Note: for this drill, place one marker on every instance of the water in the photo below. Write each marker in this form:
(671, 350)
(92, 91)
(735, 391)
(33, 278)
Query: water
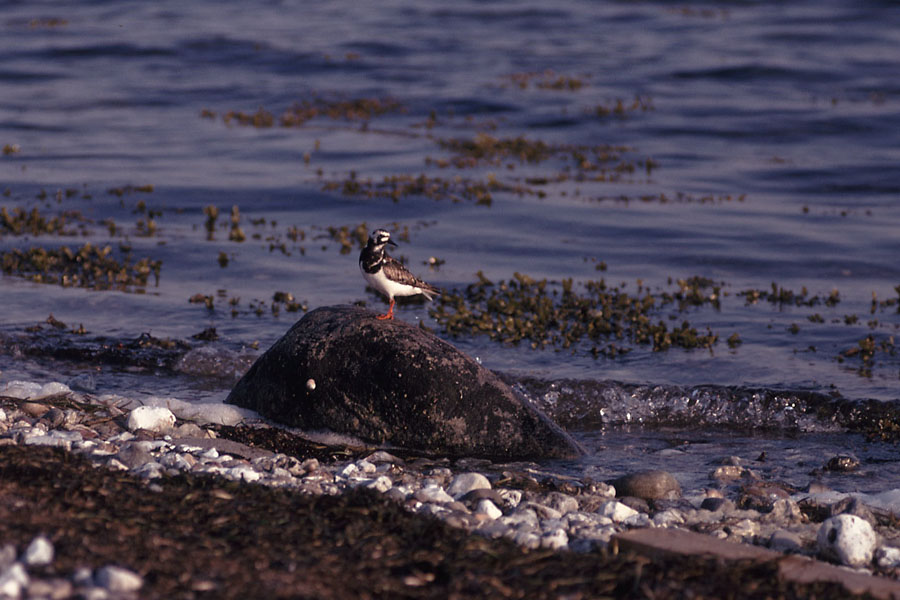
(771, 131)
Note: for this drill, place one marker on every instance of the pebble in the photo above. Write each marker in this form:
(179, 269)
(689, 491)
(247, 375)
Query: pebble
(39, 552)
(888, 557)
(649, 485)
(782, 540)
(489, 509)
(151, 418)
(464, 483)
(848, 539)
(118, 580)
(12, 580)
(433, 493)
(616, 511)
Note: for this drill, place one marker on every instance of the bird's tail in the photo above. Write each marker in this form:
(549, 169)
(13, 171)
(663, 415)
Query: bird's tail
(429, 291)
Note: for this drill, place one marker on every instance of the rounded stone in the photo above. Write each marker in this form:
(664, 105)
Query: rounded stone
(464, 483)
(388, 382)
(39, 552)
(649, 485)
(847, 539)
(151, 418)
(119, 580)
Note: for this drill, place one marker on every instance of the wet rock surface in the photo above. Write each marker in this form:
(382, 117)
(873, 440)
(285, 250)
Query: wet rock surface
(387, 382)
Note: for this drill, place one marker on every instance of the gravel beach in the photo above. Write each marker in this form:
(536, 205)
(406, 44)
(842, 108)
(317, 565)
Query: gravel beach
(136, 502)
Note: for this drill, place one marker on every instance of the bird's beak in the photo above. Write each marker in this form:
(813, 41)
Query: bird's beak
(391, 242)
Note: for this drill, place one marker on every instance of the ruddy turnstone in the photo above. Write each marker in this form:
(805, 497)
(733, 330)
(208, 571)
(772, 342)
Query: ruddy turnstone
(387, 275)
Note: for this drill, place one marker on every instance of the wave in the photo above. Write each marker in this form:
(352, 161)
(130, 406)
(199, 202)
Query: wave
(587, 405)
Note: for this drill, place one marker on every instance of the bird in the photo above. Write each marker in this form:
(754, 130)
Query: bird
(387, 275)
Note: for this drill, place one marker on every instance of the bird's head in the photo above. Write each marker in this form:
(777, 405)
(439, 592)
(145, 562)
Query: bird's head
(379, 239)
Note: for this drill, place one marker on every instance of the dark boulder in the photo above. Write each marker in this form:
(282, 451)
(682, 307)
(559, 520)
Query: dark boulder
(388, 382)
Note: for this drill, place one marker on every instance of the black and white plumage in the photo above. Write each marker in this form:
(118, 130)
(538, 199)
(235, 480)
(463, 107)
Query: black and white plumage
(387, 275)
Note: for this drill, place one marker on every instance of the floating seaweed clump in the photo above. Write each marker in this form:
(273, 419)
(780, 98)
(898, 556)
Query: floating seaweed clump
(600, 162)
(456, 189)
(359, 109)
(783, 296)
(20, 221)
(552, 314)
(88, 267)
(547, 80)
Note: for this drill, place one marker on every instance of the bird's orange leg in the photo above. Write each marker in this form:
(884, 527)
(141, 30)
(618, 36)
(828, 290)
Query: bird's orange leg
(389, 315)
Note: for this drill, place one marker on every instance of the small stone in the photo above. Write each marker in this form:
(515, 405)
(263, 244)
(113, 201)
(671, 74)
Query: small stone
(527, 539)
(616, 511)
(365, 466)
(151, 418)
(543, 512)
(464, 483)
(563, 503)
(555, 539)
(649, 485)
(511, 498)
(888, 557)
(380, 484)
(782, 540)
(134, 455)
(727, 473)
(381, 457)
(118, 580)
(310, 384)
(522, 518)
(348, 471)
(489, 509)
(714, 504)
(848, 539)
(12, 580)
(843, 463)
(668, 518)
(50, 589)
(34, 409)
(433, 493)
(55, 417)
(39, 552)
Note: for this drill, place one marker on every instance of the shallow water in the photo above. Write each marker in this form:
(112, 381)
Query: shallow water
(772, 130)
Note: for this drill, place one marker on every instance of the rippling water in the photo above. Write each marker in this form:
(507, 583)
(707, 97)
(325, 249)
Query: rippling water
(756, 144)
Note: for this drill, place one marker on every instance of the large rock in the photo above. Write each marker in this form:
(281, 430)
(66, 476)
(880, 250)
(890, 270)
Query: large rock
(387, 382)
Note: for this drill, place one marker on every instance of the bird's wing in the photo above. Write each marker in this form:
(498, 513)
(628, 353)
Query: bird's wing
(395, 270)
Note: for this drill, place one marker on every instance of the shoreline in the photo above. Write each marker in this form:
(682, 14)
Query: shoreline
(555, 519)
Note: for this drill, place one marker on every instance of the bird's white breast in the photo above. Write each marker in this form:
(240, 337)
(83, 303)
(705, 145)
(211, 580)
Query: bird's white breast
(389, 288)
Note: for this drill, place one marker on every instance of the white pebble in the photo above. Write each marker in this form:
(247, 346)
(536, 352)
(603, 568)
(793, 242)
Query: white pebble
(464, 483)
(365, 466)
(888, 557)
(512, 498)
(489, 509)
(12, 580)
(848, 539)
(555, 539)
(310, 384)
(616, 511)
(380, 484)
(117, 579)
(668, 518)
(350, 470)
(433, 493)
(243, 473)
(151, 418)
(39, 552)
